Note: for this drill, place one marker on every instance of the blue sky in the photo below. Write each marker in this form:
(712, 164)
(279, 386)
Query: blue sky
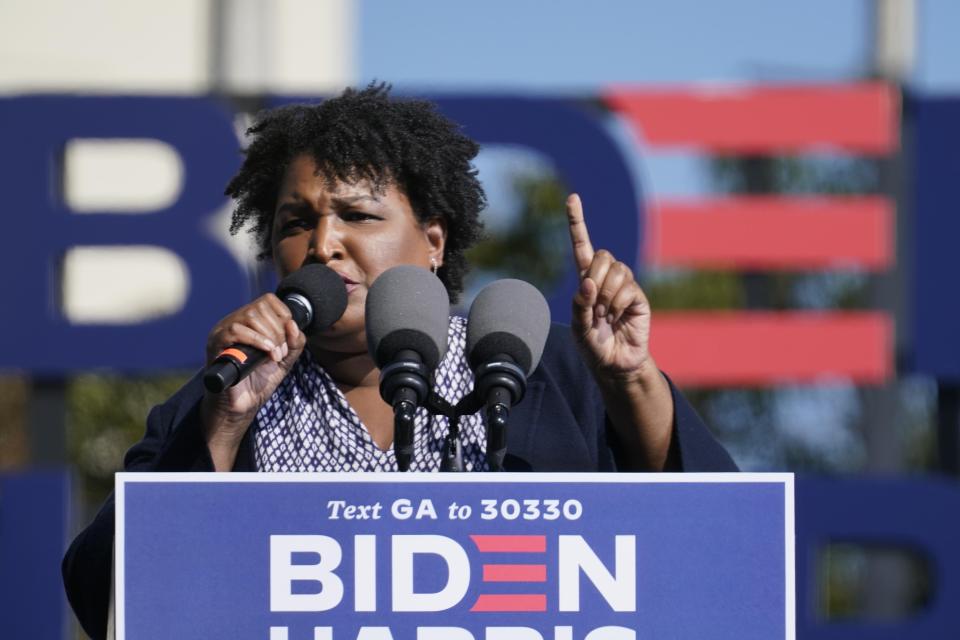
(938, 50)
(576, 45)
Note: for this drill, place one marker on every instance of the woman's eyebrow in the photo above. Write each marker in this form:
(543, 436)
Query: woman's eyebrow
(349, 200)
(292, 207)
(298, 205)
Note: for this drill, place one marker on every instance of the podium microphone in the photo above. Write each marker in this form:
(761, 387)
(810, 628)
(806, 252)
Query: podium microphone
(315, 295)
(407, 315)
(506, 331)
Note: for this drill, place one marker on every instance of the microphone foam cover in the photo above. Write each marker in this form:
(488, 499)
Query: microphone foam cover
(323, 288)
(508, 317)
(407, 308)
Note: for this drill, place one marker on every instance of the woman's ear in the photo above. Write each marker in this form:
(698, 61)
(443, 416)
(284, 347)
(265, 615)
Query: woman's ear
(435, 231)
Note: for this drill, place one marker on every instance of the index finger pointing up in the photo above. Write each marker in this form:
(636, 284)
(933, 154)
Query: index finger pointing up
(579, 236)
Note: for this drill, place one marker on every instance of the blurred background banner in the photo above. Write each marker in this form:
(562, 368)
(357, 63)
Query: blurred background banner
(34, 520)
(782, 176)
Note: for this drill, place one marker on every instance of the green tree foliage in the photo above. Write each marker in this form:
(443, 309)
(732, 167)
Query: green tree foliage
(106, 415)
(671, 290)
(535, 247)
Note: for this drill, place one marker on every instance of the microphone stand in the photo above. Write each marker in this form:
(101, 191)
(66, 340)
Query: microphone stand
(403, 416)
(452, 459)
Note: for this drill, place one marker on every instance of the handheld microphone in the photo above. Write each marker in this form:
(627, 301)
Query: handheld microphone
(316, 297)
(407, 314)
(506, 331)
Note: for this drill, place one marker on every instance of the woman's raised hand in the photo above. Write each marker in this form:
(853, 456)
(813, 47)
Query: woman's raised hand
(611, 324)
(611, 315)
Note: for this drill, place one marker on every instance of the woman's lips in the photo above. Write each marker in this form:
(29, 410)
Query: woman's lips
(350, 284)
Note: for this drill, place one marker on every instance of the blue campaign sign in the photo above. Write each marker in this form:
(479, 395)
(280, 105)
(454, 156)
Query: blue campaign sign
(935, 260)
(34, 506)
(455, 557)
(41, 228)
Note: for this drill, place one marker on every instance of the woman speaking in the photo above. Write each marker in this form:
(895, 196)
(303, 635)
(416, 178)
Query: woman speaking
(362, 183)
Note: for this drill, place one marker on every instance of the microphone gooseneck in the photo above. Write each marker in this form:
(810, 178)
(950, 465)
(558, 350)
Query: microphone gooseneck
(405, 383)
(316, 297)
(501, 384)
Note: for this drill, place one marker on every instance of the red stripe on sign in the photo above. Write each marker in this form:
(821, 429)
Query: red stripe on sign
(510, 602)
(768, 232)
(769, 348)
(514, 573)
(858, 118)
(515, 544)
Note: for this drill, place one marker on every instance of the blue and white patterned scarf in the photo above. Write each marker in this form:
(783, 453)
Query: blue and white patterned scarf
(307, 424)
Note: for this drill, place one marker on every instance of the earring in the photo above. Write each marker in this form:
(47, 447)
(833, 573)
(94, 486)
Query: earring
(433, 266)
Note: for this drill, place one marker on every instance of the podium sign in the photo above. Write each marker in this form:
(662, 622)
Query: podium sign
(454, 556)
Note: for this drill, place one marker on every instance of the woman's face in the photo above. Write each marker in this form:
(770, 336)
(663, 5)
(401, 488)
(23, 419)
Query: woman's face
(353, 228)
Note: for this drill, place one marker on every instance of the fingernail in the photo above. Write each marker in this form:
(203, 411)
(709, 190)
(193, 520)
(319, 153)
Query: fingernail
(610, 318)
(270, 346)
(584, 289)
(601, 310)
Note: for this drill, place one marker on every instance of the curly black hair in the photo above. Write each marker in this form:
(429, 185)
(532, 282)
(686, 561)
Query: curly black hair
(367, 134)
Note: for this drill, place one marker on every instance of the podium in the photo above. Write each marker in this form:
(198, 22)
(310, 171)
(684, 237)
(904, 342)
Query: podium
(496, 556)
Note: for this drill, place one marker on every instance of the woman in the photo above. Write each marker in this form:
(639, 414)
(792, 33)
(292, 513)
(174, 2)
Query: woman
(362, 183)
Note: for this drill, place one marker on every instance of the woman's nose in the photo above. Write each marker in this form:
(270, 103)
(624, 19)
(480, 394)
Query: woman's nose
(325, 242)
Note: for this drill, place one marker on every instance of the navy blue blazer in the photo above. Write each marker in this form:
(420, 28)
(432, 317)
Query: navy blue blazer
(560, 425)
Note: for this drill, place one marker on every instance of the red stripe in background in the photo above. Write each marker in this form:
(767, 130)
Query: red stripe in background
(770, 232)
(769, 348)
(510, 602)
(516, 544)
(856, 118)
(514, 573)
